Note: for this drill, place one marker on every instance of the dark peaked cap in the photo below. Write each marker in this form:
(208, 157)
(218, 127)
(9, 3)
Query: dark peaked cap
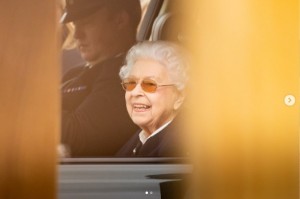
(77, 9)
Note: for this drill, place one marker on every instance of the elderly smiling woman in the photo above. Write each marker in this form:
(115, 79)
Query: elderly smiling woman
(154, 79)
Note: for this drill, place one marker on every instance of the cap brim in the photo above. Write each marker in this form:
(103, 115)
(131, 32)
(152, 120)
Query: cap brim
(75, 14)
(64, 18)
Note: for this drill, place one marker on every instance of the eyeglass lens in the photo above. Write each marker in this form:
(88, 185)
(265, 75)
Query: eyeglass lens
(147, 85)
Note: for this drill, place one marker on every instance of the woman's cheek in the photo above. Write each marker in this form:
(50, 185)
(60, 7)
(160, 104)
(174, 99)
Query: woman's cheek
(128, 105)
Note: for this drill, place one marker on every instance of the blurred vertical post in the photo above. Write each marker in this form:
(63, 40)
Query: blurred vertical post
(246, 137)
(29, 99)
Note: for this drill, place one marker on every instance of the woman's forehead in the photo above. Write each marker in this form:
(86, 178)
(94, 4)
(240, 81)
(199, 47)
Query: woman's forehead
(148, 65)
(149, 77)
(149, 68)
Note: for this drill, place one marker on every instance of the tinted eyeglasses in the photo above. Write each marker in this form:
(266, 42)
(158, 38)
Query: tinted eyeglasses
(148, 85)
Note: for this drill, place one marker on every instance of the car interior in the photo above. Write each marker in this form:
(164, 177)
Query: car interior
(244, 110)
(113, 176)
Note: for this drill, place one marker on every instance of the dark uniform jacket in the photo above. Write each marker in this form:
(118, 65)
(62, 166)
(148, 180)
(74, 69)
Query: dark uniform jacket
(169, 142)
(95, 121)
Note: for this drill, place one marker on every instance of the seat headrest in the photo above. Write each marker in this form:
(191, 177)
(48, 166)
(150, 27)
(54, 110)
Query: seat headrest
(168, 27)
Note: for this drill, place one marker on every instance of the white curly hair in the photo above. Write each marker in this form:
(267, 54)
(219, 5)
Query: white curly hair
(170, 55)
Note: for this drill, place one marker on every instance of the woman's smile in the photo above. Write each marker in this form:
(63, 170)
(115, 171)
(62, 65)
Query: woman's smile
(137, 107)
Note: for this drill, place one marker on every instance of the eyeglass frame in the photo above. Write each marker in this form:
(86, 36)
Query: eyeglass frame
(141, 84)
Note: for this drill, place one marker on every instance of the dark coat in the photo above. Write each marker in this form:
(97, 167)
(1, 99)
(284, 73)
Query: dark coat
(95, 121)
(170, 142)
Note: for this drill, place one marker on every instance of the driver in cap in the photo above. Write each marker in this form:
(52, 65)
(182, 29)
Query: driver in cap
(95, 122)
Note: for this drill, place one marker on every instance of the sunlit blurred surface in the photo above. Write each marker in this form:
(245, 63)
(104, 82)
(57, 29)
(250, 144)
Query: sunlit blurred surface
(29, 99)
(246, 137)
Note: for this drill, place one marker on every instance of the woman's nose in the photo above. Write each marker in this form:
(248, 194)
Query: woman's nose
(137, 91)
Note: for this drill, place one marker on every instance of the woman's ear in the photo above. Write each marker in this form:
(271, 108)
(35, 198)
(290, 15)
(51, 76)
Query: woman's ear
(179, 101)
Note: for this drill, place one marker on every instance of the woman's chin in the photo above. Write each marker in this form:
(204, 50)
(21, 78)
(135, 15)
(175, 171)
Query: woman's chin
(141, 122)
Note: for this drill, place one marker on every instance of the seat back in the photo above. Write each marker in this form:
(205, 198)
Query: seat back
(152, 12)
(168, 27)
